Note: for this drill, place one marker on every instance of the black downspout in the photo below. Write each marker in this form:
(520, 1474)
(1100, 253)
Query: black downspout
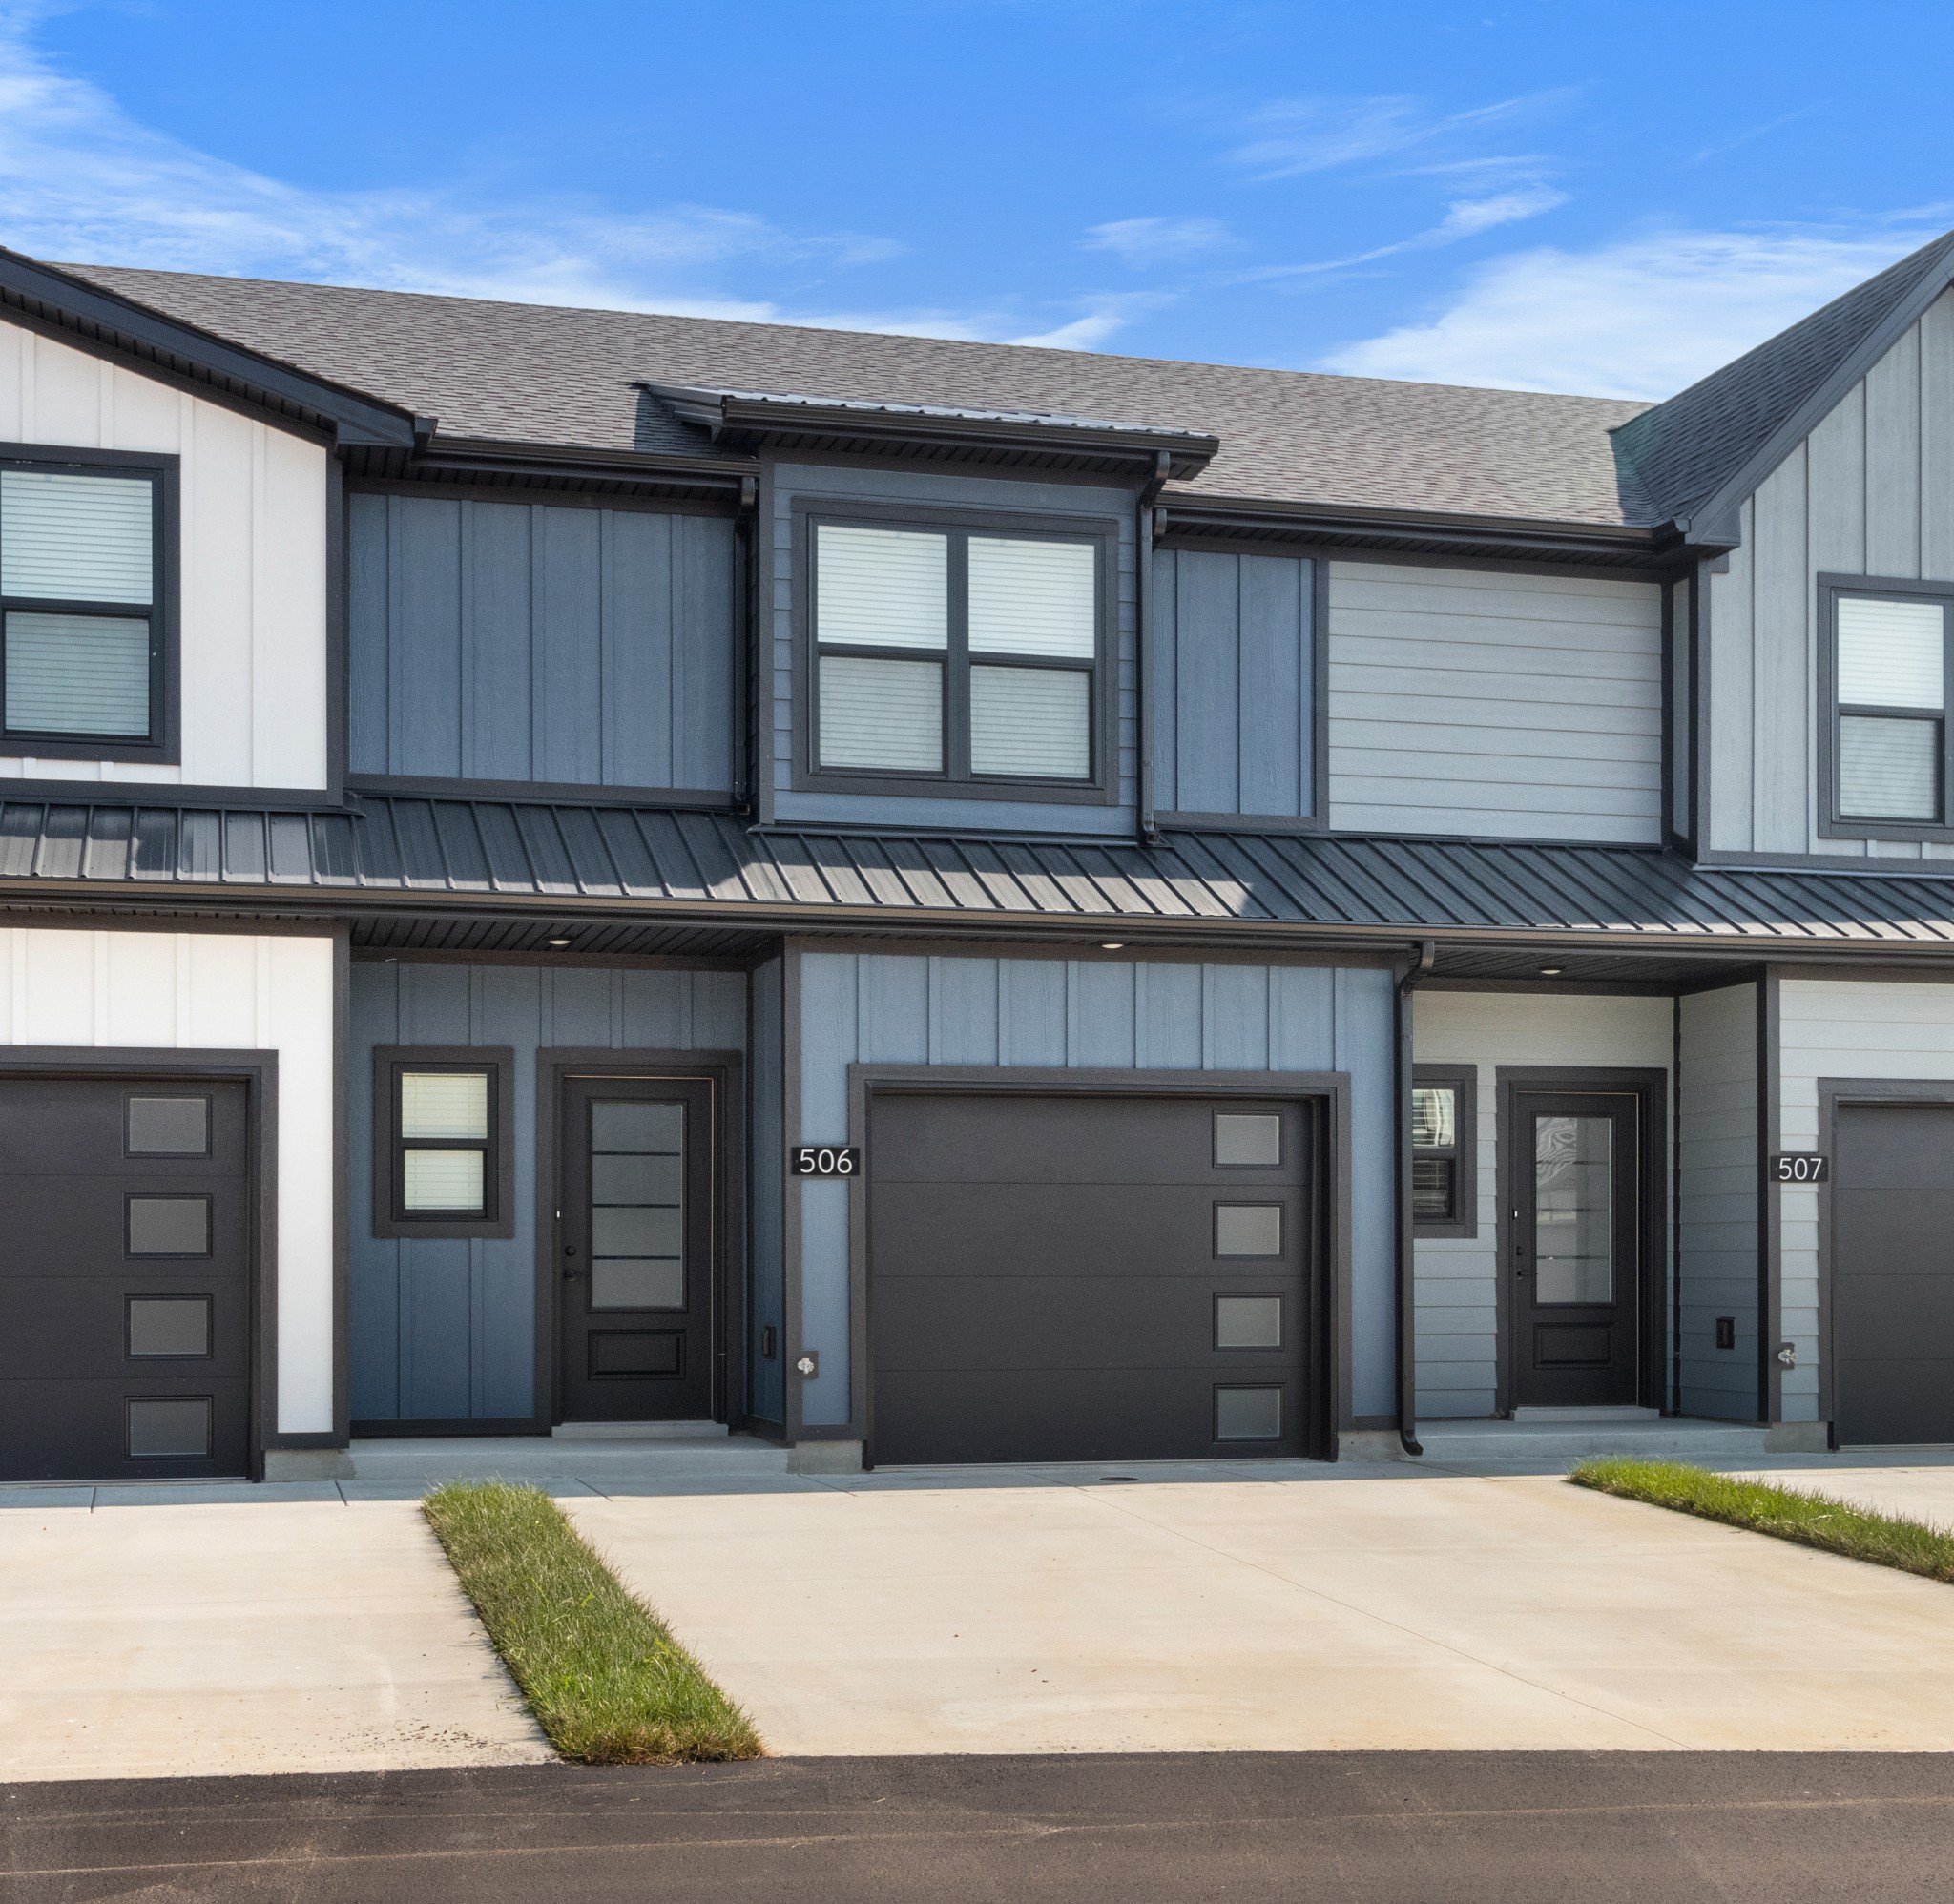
(1144, 827)
(746, 749)
(1407, 1321)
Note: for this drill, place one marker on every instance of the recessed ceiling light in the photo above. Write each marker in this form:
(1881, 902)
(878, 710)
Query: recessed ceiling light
(1549, 971)
(559, 942)
(1113, 945)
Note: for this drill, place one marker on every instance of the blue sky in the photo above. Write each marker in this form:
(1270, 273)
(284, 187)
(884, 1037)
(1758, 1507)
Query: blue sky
(1556, 196)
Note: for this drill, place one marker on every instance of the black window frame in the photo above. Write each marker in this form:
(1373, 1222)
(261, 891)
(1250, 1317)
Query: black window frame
(1462, 1082)
(391, 1217)
(956, 780)
(163, 744)
(1832, 823)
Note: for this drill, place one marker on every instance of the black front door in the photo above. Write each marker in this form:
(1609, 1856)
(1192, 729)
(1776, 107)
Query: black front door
(636, 1248)
(125, 1253)
(1575, 1247)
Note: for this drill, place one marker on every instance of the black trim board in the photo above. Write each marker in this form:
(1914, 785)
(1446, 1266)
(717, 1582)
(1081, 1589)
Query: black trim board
(1652, 1089)
(726, 1071)
(1834, 1095)
(385, 1219)
(1327, 1093)
(258, 1071)
(1105, 533)
(87, 316)
(164, 745)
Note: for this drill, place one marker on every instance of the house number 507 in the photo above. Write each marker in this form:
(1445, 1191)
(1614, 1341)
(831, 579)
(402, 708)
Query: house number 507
(824, 1160)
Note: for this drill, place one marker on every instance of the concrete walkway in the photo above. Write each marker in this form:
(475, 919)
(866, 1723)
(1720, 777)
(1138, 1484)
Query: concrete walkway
(239, 1630)
(1307, 1607)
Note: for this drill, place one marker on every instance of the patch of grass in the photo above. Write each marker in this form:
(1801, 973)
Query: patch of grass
(1790, 1514)
(603, 1675)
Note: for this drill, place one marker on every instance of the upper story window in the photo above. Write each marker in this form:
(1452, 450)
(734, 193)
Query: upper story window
(1889, 676)
(957, 659)
(82, 639)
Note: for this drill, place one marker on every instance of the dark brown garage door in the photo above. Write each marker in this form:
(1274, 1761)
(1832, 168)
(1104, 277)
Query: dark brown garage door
(123, 1284)
(1893, 1273)
(1061, 1278)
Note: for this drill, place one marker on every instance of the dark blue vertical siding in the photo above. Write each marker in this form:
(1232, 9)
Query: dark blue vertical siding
(516, 641)
(1235, 675)
(445, 1330)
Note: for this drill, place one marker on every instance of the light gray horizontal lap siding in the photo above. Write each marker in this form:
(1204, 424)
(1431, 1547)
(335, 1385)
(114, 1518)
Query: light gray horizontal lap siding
(838, 485)
(1717, 1111)
(1096, 1014)
(1870, 492)
(1234, 672)
(515, 641)
(445, 1330)
(1497, 704)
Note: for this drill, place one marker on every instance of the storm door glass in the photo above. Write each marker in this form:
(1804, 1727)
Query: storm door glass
(638, 1205)
(1573, 1209)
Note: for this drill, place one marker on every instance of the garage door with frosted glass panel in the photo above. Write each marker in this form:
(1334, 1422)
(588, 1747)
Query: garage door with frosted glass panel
(1062, 1278)
(124, 1298)
(1893, 1273)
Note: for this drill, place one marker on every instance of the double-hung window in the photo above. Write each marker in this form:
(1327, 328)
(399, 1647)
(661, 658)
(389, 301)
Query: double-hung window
(1889, 673)
(444, 1150)
(961, 657)
(82, 635)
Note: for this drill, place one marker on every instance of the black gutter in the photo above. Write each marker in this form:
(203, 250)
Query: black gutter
(1146, 828)
(1405, 1307)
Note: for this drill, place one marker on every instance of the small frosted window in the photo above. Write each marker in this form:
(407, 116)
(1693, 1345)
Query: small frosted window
(1248, 1230)
(1248, 1413)
(1252, 1139)
(1248, 1322)
(170, 1428)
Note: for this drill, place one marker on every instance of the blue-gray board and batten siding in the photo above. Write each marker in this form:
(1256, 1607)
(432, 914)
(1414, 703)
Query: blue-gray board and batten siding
(541, 642)
(1235, 676)
(445, 1330)
(1090, 1015)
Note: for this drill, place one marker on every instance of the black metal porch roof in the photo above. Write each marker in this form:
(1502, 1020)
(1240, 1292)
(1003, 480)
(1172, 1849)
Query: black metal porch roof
(486, 855)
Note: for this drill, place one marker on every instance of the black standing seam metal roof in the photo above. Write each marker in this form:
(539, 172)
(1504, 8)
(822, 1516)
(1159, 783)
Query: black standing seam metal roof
(397, 853)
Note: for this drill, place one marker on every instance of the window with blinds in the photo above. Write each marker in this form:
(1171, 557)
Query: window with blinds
(1442, 1136)
(78, 649)
(1890, 689)
(955, 655)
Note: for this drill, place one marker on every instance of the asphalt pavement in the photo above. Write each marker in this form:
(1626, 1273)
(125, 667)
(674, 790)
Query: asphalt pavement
(1393, 1828)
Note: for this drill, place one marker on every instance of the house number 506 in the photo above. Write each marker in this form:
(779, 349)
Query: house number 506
(824, 1160)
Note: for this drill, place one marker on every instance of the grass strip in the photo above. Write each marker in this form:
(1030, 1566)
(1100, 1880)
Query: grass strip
(602, 1673)
(1786, 1513)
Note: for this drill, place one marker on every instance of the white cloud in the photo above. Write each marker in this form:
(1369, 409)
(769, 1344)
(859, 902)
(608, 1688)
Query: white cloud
(1641, 318)
(81, 181)
(1303, 135)
(1467, 218)
(1145, 242)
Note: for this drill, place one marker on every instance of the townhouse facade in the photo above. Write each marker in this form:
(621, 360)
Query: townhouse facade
(942, 903)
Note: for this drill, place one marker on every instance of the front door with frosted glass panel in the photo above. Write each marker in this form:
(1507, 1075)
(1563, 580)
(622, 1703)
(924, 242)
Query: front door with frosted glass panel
(636, 1250)
(1574, 1247)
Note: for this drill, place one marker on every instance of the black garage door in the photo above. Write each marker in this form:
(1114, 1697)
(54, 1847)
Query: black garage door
(1893, 1273)
(1061, 1278)
(123, 1253)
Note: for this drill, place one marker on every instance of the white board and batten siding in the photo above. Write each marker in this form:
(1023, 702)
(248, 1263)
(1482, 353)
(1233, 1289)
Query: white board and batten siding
(252, 563)
(1489, 704)
(1870, 492)
(1118, 1015)
(1839, 1028)
(215, 991)
(1721, 1155)
(1457, 1330)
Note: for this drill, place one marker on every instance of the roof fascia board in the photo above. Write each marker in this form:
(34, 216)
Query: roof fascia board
(754, 419)
(350, 902)
(1714, 523)
(135, 329)
(1354, 526)
(486, 454)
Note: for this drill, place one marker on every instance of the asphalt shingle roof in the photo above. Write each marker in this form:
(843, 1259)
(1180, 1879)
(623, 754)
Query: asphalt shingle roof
(548, 374)
(1680, 453)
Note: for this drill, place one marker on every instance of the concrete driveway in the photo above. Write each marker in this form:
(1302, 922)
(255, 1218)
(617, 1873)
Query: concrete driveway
(1305, 1609)
(239, 1630)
